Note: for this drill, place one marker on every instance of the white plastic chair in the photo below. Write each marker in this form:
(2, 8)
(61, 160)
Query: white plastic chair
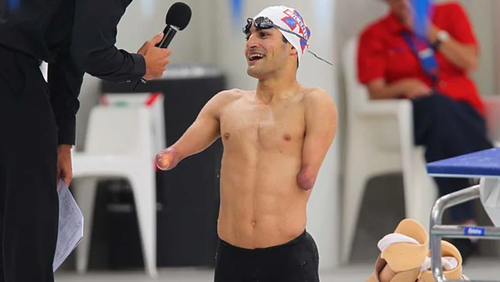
(379, 141)
(119, 144)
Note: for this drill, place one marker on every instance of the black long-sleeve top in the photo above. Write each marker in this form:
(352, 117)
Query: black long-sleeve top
(73, 37)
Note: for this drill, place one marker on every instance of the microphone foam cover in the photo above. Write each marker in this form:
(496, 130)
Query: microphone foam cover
(178, 15)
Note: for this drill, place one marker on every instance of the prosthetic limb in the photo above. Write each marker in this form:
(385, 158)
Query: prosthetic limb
(451, 262)
(402, 254)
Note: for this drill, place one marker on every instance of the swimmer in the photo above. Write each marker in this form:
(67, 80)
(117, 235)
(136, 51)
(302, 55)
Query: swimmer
(275, 139)
(405, 257)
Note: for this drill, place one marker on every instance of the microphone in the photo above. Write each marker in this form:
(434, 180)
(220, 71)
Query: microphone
(177, 19)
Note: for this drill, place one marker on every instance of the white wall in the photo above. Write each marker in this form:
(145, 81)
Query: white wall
(482, 15)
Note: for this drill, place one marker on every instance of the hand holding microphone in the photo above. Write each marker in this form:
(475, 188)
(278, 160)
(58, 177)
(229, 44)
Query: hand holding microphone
(155, 51)
(156, 58)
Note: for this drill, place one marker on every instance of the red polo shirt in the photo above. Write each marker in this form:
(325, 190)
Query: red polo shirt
(384, 53)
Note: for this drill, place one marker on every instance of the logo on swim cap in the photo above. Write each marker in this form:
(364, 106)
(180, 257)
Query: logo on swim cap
(293, 20)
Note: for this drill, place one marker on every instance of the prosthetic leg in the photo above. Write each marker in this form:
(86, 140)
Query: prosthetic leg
(451, 261)
(402, 254)
(405, 257)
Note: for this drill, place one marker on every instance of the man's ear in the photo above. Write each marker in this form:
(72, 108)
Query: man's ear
(293, 51)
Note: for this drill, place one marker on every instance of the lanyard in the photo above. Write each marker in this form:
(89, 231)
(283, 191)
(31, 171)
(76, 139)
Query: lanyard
(426, 57)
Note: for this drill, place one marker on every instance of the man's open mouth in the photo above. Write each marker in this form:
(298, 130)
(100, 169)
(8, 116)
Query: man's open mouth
(255, 57)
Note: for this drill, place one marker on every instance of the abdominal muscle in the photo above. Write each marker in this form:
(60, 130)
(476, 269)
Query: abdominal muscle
(261, 203)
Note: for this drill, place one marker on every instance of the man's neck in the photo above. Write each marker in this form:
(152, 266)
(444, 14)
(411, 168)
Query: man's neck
(279, 88)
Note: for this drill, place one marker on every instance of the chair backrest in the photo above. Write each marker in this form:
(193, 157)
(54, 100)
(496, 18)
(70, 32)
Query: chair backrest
(358, 100)
(120, 130)
(356, 93)
(153, 101)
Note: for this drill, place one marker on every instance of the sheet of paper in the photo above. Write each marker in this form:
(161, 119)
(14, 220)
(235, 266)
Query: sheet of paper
(70, 225)
(489, 190)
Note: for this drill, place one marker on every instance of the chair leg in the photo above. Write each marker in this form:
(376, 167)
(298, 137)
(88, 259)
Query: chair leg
(427, 188)
(85, 197)
(413, 166)
(416, 189)
(354, 186)
(143, 185)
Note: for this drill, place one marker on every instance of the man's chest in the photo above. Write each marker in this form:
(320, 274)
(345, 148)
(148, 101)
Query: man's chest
(263, 126)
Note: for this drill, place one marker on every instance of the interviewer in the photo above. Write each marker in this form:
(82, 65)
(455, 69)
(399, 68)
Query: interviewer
(37, 118)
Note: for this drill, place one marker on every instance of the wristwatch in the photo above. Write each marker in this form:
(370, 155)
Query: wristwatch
(442, 36)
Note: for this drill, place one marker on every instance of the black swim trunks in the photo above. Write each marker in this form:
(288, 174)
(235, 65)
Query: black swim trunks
(295, 261)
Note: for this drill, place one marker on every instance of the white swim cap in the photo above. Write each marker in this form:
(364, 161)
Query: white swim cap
(290, 20)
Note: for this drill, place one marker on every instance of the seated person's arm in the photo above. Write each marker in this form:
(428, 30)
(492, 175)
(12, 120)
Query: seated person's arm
(461, 48)
(199, 136)
(409, 88)
(321, 127)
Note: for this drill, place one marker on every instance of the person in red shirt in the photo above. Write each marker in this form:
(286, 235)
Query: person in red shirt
(430, 68)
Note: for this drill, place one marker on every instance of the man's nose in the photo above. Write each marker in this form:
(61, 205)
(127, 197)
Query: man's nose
(251, 42)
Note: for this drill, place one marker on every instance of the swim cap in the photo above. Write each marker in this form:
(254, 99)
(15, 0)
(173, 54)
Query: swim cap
(289, 19)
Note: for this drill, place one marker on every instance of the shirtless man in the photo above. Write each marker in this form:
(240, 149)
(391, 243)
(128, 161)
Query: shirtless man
(275, 140)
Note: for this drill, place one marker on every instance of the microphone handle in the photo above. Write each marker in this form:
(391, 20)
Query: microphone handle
(168, 35)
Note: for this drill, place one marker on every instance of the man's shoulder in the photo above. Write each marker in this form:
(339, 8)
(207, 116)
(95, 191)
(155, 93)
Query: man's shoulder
(234, 92)
(315, 97)
(230, 95)
(318, 102)
(315, 93)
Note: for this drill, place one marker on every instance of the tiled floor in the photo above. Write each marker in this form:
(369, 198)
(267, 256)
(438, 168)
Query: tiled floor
(483, 269)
